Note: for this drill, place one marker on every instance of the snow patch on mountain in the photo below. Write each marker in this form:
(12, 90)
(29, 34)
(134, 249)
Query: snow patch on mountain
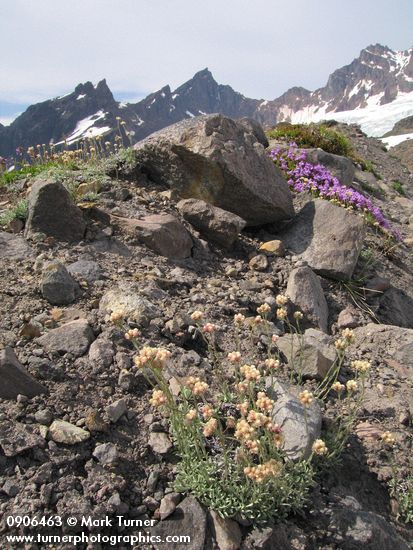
(375, 120)
(85, 128)
(392, 141)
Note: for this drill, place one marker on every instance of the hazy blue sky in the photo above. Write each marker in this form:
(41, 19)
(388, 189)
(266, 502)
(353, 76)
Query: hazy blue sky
(259, 47)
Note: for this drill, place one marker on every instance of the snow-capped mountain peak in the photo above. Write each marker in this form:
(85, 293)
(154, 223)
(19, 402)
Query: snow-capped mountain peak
(375, 90)
(379, 77)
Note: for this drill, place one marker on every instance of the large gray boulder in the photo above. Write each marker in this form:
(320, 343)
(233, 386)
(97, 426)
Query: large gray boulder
(53, 212)
(14, 378)
(328, 237)
(217, 225)
(220, 161)
(306, 294)
(162, 233)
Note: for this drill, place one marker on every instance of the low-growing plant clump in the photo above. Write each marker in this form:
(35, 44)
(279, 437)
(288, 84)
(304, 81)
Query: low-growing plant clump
(398, 187)
(37, 159)
(322, 136)
(92, 159)
(402, 491)
(19, 212)
(316, 179)
(231, 450)
(314, 135)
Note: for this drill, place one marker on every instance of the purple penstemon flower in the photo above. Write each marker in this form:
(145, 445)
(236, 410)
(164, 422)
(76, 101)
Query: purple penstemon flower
(317, 179)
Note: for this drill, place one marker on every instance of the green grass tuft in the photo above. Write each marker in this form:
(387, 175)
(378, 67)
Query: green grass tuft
(314, 135)
(19, 211)
(398, 187)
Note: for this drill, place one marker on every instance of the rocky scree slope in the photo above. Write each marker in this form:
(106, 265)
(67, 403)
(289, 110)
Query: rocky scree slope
(400, 141)
(76, 429)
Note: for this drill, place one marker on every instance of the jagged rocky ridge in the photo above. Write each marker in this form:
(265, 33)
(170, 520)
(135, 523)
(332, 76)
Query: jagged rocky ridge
(76, 431)
(377, 78)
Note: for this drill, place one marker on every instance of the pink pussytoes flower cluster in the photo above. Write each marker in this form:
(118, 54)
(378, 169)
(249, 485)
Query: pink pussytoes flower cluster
(153, 357)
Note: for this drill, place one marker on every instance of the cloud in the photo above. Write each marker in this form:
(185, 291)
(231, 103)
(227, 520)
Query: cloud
(260, 48)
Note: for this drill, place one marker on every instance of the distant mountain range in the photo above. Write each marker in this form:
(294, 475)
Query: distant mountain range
(375, 90)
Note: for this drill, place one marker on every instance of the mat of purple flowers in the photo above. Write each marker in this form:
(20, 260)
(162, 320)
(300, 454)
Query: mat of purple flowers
(302, 176)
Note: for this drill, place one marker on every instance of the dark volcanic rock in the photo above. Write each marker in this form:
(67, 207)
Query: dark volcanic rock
(396, 308)
(357, 528)
(14, 378)
(305, 292)
(14, 248)
(214, 223)
(16, 438)
(327, 237)
(57, 285)
(163, 233)
(190, 519)
(200, 158)
(88, 270)
(52, 211)
(74, 337)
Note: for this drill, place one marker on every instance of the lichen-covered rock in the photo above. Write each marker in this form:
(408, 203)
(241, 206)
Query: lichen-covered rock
(69, 434)
(127, 299)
